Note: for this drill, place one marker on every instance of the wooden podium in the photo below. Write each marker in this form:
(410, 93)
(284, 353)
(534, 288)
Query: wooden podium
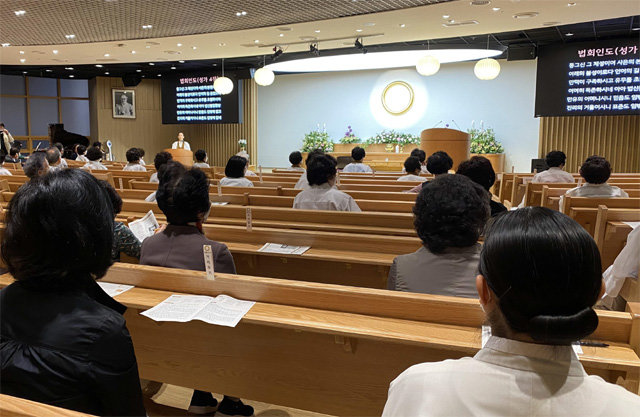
(452, 141)
(183, 156)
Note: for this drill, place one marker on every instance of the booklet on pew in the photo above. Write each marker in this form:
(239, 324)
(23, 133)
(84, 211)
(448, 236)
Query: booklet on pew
(283, 249)
(221, 310)
(144, 227)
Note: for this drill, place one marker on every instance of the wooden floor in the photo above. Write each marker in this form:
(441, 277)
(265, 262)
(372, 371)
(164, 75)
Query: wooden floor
(171, 400)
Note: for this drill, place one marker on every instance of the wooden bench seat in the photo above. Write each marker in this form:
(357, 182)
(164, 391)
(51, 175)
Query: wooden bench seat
(19, 407)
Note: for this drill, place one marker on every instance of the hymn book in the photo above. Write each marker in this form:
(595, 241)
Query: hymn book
(144, 227)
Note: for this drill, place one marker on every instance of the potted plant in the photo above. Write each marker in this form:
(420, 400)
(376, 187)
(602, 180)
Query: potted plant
(348, 141)
(317, 139)
(243, 144)
(386, 141)
(484, 143)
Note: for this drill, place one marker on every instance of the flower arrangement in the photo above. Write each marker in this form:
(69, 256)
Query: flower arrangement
(242, 143)
(484, 141)
(394, 138)
(317, 139)
(349, 137)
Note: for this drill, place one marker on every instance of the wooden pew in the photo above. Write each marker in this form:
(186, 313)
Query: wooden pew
(122, 178)
(104, 176)
(610, 233)
(319, 347)
(584, 210)
(533, 191)
(19, 407)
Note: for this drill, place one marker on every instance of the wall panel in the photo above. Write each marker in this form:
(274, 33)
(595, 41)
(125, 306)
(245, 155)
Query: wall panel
(617, 138)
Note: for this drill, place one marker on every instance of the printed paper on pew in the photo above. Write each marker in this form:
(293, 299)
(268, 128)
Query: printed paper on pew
(283, 249)
(219, 203)
(114, 289)
(144, 227)
(633, 225)
(221, 310)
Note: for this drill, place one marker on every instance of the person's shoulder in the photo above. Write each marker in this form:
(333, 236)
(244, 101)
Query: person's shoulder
(424, 373)
(620, 401)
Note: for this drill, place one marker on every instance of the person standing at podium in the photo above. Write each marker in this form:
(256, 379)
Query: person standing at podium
(181, 143)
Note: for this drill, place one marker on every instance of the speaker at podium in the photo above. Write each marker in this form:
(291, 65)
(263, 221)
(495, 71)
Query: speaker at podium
(454, 142)
(184, 156)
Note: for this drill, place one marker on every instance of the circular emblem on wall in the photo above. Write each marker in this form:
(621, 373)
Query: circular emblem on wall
(397, 98)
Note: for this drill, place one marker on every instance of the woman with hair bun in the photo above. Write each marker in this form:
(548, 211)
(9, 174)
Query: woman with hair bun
(540, 276)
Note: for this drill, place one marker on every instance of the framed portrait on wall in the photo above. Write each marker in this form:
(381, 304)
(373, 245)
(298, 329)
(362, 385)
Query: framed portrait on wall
(124, 103)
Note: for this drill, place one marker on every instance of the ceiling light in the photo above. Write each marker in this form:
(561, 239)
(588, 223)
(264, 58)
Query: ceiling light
(264, 77)
(428, 65)
(182, 62)
(55, 51)
(24, 72)
(379, 60)
(568, 34)
(147, 26)
(138, 70)
(281, 35)
(69, 68)
(571, 4)
(222, 44)
(107, 55)
(20, 12)
(4, 45)
(151, 63)
(358, 30)
(445, 16)
(496, 9)
(71, 76)
(638, 28)
(525, 15)
(98, 65)
(70, 36)
(159, 75)
(194, 47)
(132, 52)
(23, 60)
(402, 25)
(242, 13)
(106, 73)
(487, 69)
(173, 67)
(179, 44)
(223, 85)
(256, 41)
(316, 31)
(21, 52)
(49, 70)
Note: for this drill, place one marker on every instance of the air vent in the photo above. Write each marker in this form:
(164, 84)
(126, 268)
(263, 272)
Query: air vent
(284, 29)
(172, 52)
(551, 23)
(525, 15)
(107, 60)
(152, 43)
(479, 2)
(463, 23)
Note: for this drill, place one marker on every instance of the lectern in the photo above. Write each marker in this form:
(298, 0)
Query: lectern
(183, 156)
(452, 141)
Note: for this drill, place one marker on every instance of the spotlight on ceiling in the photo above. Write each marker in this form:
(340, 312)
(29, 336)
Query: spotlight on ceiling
(313, 49)
(277, 51)
(360, 46)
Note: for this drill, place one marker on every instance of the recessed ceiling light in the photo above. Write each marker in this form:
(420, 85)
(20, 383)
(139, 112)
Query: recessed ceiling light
(179, 44)
(71, 76)
(147, 26)
(151, 63)
(21, 52)
(358, 30)
(70, 36)
(445, 16)
(638, 28)
(24, 72)
(222, 44)
(402, 25)
(256, 41)
(182, 62)
(107, 55)
(568, 34)
(281, 35)
(55, 51)
(22, 60)
(571, 4)
(194, 47)
(173, 67)
(132, 52)
(316, 31)
(98, 65)
(451, 21)
(496, 9)
(20, 12)
(4, 45)
(138, 70)
(69, 68)
(106, 73)
(49, 70)
(159, 75)
(242, 13)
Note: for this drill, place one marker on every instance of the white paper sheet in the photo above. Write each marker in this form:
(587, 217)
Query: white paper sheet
(221, 310)
(219, 203)
(284, 249)
(144, 227)
(114, 289)
(633, 225)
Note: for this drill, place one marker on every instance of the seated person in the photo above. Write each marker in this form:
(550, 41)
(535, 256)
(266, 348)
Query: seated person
(81, 150)
(94, 154)
(160, 159)
(596, 171)
(625, 266)
(183, 196)
(555, 161)
(63, 162)
(142, 153)
(133, 161)
(449, 216)
(245, 155)
(321, 194)
(422, 156)
(295, 158)
(123, 238)
(36, 165)
(64, 341)
(358, 155)
(439, 163)
(54, 159)
(480, 171)
(235, 173)
(3, 170)
(201, 159)
(14, 155)
(302, 183)
(413, 168)
(537, 288)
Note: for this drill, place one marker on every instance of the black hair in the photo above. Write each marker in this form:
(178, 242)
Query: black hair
(183, 195)
(142, 153)
(2, 124)
(235, 167)
(479, 170)
(450, 211)
(81, 149)
(53, 155)
(595, 170)
(97, 144)
(35, 165)
(439, 163)
(94, 154)
(420, 154)
(161, 158)
(133, 155)
(313, 154)
(295, 157)
(14, 151)
(59, 231)
(114, 197)
(200, 155)
(358, 153)
(412, 164)
(545, 270)
(555, 159)
(321, 169)
(59, 146)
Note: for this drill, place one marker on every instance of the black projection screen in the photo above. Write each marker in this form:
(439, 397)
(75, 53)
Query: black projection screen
(189, 98)
(589, 78)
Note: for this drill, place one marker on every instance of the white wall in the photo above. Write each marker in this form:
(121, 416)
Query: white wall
(297, 103)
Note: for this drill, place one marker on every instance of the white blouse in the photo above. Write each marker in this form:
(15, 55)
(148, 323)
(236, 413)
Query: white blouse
(508, 378)
(625, 266)
(553, 174)
(357, 167)
(134, 166)
(411, 177)
(324, 197)
(236, 182)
